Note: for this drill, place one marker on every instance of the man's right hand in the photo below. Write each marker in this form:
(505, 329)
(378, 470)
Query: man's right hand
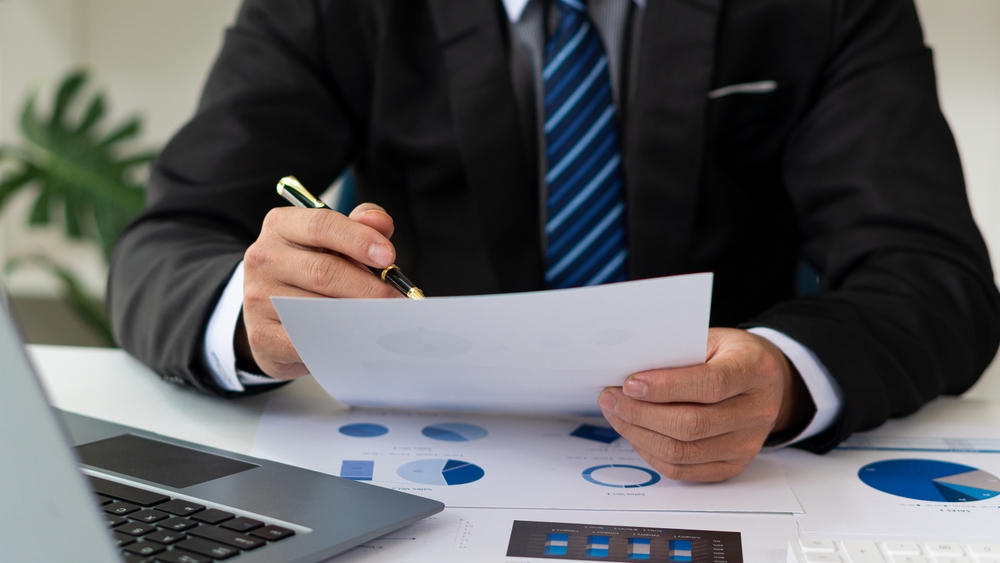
(308, 253)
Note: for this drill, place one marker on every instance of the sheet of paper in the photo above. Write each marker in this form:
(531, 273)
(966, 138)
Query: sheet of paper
(481, 460)
(485, 535)
(902, 480)
(544, 352)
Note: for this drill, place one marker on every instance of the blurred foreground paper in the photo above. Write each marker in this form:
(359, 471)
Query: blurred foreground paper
(542, 352)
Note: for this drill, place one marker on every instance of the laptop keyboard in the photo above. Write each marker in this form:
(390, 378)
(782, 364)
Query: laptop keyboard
(151, 527)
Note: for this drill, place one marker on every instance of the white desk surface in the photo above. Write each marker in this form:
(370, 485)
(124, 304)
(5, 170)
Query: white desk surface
(111, 385)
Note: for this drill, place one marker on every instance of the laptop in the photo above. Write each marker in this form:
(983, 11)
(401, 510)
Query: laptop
(74, 488)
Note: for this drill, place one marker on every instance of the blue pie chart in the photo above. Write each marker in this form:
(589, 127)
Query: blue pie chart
(363, 430)
(930, 480)
(440, 472)
(454, 432)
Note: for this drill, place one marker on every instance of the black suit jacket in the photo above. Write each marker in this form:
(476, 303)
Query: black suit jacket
(848, 165)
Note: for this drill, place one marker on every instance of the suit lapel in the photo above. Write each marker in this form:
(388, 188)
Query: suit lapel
(665, 132)
(485, 118)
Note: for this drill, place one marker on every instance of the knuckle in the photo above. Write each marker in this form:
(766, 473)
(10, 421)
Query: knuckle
(322, 270)
(255, 257)
(694, 424)
(677, 451)
(318, 228)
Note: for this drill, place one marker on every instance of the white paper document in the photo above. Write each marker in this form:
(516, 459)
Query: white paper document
(544, 352)
(489, 535)
(492, 461)
(902, 480)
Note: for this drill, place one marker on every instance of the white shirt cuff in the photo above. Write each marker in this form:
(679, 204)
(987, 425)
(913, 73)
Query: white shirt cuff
(220, 355)
(825, 391)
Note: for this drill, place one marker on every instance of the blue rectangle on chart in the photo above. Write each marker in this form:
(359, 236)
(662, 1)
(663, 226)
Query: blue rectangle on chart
(679, 550)
(556, 544)
(638, 548)
(358, 470)
(597, 546)
(602, 434)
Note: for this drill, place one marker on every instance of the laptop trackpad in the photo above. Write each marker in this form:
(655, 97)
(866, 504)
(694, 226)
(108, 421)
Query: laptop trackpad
(158, 462)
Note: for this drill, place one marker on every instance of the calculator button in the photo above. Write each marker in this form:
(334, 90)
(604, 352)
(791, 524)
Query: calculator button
(901, 548)
(981, 549)
(208, 548)
(165, 537)
(144, 548)
(909, 559)
(135, 528)
(820, 546)
(941, 548)
(819, 557)
(119, 539)
(952, 559)
(242, 524)
(181, 557)
(149, 515)
(862, 551)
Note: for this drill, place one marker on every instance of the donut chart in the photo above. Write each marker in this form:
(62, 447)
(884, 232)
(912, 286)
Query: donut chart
(621, 476)
(930, 480)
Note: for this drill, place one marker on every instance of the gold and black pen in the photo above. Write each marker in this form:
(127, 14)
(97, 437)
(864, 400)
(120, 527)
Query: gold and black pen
(293, 190)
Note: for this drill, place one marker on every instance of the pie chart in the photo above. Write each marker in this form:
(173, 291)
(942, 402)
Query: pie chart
(440, 472)
(454, 432)
(363, 430)
(930, 480)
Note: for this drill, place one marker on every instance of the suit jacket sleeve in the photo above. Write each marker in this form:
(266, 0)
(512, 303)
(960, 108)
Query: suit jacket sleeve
(272, 106)
(908, 309)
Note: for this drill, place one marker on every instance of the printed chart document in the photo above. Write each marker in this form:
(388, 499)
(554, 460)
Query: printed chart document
(523, 536)
(494, 461)
(549, 352)
(904, 479)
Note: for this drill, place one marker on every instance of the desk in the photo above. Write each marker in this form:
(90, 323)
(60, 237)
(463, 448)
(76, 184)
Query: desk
(109, 384)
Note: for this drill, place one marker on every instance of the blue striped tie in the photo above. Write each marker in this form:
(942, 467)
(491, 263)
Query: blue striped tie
(585, 201)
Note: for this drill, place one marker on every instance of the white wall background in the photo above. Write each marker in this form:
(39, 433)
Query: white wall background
(153, 55)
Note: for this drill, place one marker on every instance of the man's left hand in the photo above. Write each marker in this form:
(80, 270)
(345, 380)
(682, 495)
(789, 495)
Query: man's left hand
(708, 422)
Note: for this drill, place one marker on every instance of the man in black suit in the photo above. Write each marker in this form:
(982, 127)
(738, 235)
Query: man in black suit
(747, 136)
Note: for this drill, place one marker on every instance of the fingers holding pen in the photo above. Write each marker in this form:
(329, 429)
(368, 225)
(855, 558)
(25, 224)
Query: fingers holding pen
(332, 231)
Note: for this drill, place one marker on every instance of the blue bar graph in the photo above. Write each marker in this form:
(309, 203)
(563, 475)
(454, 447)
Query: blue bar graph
(556, 544)
(597, 546)
(638, 548)
(358, 470)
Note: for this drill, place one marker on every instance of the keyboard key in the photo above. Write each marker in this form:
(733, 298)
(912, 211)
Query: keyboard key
(242, 524)
(149, 515)
(144, 548)
(132, 558)
(909, 559)
(272, 533)
(940, 548)
(227, 537)
(862, 551)
(165, 537)
(952, 559)
(177, 556)
(126, 492)
(901, 548)
(177, 524)
(207, 548)
(119, 539)
(213, 516)
(820, 557)
(820, 546)
(135, 528)
(119, 508)
(180, 507)
(113, 520)
(985, 549)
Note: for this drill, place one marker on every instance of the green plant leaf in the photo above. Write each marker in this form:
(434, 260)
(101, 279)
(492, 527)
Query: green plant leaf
(94, 112)
(127, 130)
(64, 97)
(40, 211)
(16, 181)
